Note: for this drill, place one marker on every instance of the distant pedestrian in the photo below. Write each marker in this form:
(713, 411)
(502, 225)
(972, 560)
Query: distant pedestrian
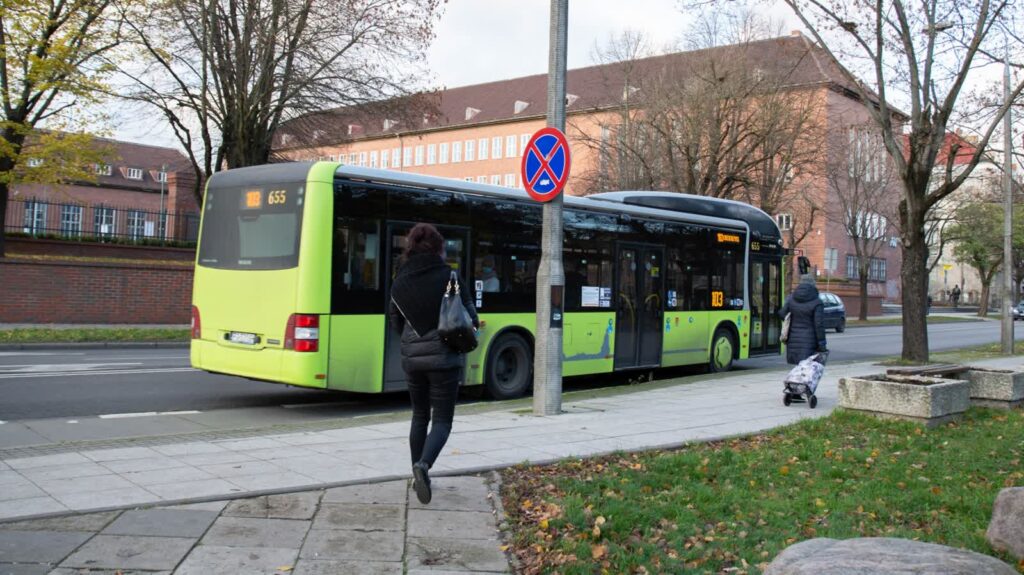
(955, 295)
(807, 321)
(433, 370)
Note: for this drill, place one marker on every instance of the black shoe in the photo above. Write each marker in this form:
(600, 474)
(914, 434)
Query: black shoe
(421, 482)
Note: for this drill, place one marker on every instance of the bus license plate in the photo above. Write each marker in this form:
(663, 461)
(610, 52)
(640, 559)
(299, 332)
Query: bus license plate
(243, 338)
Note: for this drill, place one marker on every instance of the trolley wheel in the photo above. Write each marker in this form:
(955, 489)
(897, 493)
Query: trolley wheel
(722, 346)
(813, 401)
(786, 400)
(509, 368)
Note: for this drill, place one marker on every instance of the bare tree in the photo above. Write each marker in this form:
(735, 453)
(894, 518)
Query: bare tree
(226, 73)
(860, 177)
(918, 56)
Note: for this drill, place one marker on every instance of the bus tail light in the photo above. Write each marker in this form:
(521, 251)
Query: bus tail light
(302, 332)
(196, 329)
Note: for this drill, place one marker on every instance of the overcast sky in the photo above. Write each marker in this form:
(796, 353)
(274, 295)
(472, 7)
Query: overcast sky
(485, 40)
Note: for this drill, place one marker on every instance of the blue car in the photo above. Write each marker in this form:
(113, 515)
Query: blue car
(835, 311)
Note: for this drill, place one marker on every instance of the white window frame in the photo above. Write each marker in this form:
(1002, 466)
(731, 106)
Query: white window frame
(384, 158)
(431, 154)
(35, 216)
(523, 140)
(34, 162)
(481, 179)
(161, 177)
(418, 160)
(133, 173)
(362, 159)
(443, 153)
(496, 147)
(510, 146)
(352, 159)
(103, 169)
(104, 216)
(510, 180)
(70, 220)
(406, 157)
(136, 224)
(785, 221)
(469, 151)
(373, 159)
(396, 158)
(481, 149)
(456, 152)
(495, 180)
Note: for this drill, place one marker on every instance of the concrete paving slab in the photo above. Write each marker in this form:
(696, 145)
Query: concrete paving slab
(187, 489)
(18, 434)
(238, 469)
(91, 522)
(311, 438)
(209, 559)
(88, 571)
(56, 472)
(461, 493)
(120, 497)
(301, 505)
(353, 545)
(451, 524)
(447, 572)
(455, 555)
(162, 523)
(122, 552)
(145, 464)
(193, 448)
(8, 476)
(31, 506)
(23, 489)
(46, 461)
(90, 483)
(247, 532)
(274, 480)
(119, 454)
(362, 517)
(162, 476)
(39, 546)
(311, 567)
(391, 492)
(216, 506)
(219, 458)
(249, 444)
(281, 453)
(25, 569)
(58, 430)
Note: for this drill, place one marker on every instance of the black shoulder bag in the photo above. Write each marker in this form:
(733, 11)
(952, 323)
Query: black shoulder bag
(454, 325)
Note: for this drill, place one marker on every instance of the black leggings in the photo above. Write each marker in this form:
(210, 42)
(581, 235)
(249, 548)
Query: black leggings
(432, 391)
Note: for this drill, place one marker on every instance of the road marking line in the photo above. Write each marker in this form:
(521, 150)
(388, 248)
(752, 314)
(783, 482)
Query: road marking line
(72, 421)
(106, 372)
(145, 414)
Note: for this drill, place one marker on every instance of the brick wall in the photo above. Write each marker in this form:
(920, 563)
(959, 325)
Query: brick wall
(80, 292)
(17, 245)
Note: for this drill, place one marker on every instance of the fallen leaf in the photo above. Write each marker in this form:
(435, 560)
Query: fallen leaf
(600, 520)
(285, 569)
(784, 470)
(598, 551)
(543, 523)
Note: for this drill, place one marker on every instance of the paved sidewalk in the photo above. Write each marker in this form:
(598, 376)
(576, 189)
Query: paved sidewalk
(369, 529)
(58, 484)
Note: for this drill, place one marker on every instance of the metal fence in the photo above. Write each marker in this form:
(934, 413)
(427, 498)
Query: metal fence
(99, 222)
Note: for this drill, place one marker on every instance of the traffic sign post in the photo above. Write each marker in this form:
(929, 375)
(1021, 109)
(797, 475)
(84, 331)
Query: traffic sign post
(546, 180)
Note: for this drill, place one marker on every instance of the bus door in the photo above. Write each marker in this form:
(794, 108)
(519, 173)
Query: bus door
(765, 302)
(456, 241)
(640, 310)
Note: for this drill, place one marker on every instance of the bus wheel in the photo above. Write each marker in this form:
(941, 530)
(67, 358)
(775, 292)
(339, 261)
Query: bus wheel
(722, 346)
(509, 367)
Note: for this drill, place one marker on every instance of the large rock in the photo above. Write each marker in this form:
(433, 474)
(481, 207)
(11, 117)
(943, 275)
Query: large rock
(1006, 530)
(878, 555)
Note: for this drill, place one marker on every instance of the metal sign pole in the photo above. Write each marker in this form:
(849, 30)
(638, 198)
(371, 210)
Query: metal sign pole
(547, 363)
(1009, 290)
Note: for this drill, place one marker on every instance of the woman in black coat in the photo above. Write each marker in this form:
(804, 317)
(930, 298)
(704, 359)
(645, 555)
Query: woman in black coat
(807, 324)
(434, 371)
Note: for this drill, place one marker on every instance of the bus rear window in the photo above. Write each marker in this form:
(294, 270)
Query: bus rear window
(251, 227)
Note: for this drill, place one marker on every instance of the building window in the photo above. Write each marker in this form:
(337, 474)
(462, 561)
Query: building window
(481, 179)
(456, 152)
(352, 159)
(396, 158)
(496, 147)
(444, 153)
(468, 178)
(831, 259)
(161, 177)
(103, 222)
(523, 140)
(35, 162)
(510, 180)
(384, 158)
(785, 221)
(495, 180)
(431, 154)
(35, 217)
(136, 224)
(70, 220)
(103, 169)
(470, 152)
(133, 173)
(362, 159)
(419, 155)
(876, 270)
(482, 149)
(510, 146)
(406, 157)
(373, 159)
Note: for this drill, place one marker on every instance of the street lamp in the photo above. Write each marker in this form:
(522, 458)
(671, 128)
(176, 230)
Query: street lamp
(163, 217)
(1006, 333)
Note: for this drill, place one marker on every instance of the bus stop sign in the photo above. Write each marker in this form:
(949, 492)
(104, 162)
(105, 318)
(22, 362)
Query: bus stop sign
(545, 167)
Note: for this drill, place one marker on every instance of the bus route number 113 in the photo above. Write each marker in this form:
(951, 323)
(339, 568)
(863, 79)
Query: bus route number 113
(717, 299)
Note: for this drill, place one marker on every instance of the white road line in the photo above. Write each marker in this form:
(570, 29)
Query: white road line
(110, 372)
(304, 405)
(48, 367)
(2, 422)
(17, 353)
(145, 414)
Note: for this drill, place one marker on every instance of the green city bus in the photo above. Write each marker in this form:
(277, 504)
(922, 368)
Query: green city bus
(295, 262)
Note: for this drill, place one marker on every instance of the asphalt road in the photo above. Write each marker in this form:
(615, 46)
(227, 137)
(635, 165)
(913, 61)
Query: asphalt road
(112, 386)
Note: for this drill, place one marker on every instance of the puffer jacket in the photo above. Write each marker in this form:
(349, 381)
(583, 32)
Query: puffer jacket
(415, 306)
(806, 326)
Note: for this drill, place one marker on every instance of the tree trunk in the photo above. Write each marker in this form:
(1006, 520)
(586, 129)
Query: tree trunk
(863, 315)
(915, 295)
(6, 165)
(3, 218)
(986, 289)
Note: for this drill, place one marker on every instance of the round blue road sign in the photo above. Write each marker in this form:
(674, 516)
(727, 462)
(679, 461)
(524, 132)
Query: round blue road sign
(545, 166)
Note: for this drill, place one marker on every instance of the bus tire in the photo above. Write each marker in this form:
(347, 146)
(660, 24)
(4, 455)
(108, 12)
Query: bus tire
(509, 367)
(723, 347)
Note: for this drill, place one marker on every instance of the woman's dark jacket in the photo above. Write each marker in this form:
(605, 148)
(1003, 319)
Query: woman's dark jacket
(415, 306)
(807, 326)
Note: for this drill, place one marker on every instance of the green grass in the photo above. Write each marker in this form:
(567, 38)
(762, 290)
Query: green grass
(899, 320)
(82, 335)
(962, 355)
(734, 505)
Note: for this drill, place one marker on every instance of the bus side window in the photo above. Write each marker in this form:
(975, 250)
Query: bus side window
(355, 277)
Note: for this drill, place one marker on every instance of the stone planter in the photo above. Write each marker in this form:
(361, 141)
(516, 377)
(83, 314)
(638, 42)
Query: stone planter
(928, 400)
(999, 388)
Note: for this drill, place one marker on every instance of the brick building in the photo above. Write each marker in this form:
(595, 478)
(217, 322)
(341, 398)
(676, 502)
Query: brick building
(477, 133)
(135, 184)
